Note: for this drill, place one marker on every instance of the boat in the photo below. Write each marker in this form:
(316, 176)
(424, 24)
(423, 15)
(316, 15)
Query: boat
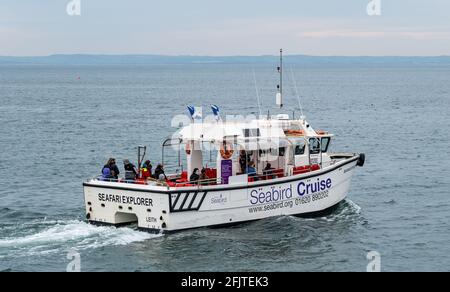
(263, 167)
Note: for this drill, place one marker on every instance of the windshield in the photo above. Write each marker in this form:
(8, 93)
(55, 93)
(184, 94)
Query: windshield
(314, 146)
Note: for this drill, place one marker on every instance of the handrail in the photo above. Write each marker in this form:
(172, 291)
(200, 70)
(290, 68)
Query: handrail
(199, 182)
(272, 174)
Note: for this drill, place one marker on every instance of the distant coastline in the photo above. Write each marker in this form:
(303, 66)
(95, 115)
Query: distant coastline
(88, 59)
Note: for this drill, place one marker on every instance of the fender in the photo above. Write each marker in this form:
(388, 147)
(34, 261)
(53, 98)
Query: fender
(361, 160)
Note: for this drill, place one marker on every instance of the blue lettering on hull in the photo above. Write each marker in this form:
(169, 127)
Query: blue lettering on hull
(304, 189)
(275, 194)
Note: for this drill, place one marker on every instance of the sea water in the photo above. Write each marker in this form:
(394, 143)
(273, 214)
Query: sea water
(59, 124)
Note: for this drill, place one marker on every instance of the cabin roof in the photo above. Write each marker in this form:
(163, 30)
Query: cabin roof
(260, 130)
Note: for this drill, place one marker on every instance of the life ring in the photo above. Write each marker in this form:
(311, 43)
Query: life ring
(321, 132)
(295, 132)
(226, 150)
(188, 148)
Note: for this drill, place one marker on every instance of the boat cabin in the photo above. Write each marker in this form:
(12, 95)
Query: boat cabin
(236, 152)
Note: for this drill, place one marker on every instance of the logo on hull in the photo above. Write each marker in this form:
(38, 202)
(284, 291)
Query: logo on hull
(281, 193)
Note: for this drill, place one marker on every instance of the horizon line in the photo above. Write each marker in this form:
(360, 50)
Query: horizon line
(220, 56)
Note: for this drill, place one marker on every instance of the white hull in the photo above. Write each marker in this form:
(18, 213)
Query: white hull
(157, 208)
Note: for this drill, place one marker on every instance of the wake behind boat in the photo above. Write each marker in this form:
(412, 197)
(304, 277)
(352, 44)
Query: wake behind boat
(251, 169)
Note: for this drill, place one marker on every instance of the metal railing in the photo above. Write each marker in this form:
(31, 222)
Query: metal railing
(173, 180)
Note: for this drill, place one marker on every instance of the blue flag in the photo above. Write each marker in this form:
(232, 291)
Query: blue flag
(191, 110)
(195, 112)
(216, 111)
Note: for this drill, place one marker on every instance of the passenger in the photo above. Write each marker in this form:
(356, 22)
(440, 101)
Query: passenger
(203, 177)
(243, 160)
(146, 169)
(130, 170)
(159, 172)
(251, 170)
(106, 171)
(194, 176)
(268, 171)
(114, 170)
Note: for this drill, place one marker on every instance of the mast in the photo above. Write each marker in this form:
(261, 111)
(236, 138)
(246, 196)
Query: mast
(279, 98)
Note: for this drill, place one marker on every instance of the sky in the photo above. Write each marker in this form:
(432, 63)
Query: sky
(225, 27)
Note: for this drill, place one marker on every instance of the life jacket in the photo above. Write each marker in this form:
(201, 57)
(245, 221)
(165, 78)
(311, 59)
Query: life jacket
(145, 173)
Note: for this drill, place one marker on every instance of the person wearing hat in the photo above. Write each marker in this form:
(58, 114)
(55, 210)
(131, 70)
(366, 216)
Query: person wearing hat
(146, 169)
(131, 172)
(159, 172)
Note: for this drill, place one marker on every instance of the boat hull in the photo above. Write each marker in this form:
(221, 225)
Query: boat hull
(161, 209)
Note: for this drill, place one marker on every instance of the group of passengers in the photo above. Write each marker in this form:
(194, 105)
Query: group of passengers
(110, 171)
(248, 166)
(201, 179)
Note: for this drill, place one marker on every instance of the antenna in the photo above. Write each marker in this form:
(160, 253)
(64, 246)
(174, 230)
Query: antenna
(279, 98)
(257, 92)
(296, 92)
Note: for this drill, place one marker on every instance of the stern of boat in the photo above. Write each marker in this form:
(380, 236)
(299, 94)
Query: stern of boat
(107, 203)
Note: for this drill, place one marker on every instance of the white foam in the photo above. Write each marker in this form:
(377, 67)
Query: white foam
(74, 234)
(354, 206)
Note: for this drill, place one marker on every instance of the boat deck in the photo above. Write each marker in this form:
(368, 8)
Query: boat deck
(182, 180)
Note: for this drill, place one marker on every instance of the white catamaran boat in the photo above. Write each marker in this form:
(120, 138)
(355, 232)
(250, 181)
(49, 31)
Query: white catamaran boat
(263, 167)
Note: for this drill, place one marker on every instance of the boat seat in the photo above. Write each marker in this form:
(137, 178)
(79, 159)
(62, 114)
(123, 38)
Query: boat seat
(315, 167)
(301, 169)
(278, 172)
(140, 181)
(211, 172)
(171, 183)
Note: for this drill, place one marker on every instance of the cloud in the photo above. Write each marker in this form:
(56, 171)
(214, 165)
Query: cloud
(417, 35)
(301, 36)
(232, 36)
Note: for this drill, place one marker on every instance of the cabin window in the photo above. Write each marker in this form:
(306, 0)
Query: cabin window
(281, 151)
(300, 148)
(325, 144)
(314, 146)
(248, 133)
(263, 152)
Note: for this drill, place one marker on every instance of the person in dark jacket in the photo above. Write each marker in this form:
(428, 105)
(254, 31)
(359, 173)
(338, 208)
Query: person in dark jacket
(203, 179)
(243, 161)
(131, 172)
(113, 172)
(159, 172)
(114, 169)
(268, 171)
(106, 171)
(194, 176)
